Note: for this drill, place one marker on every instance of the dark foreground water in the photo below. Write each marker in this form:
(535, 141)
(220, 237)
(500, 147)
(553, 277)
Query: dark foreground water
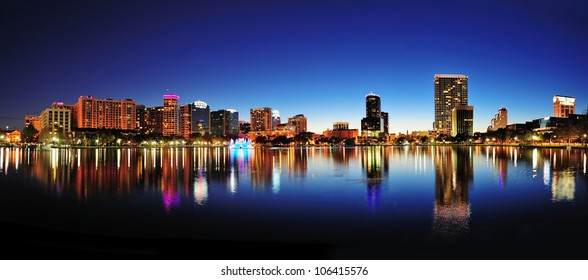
(292, 203)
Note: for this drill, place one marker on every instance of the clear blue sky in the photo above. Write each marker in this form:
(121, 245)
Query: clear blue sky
(318, 58)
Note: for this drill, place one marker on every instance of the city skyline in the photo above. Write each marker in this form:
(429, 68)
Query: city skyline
(296, 58)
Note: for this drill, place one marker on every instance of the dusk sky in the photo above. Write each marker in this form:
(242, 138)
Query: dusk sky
(317, 58)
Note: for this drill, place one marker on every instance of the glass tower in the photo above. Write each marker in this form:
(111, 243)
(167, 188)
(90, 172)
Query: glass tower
(450, 91)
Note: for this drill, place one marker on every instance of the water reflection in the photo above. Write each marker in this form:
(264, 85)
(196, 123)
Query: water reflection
(196, 177)
(454, 172)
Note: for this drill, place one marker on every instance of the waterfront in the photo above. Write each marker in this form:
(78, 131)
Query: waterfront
(309, 202)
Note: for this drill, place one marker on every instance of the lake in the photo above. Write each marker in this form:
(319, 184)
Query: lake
(430, 202)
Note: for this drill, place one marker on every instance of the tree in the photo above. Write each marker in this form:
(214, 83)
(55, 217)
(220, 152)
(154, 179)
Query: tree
(30, 134)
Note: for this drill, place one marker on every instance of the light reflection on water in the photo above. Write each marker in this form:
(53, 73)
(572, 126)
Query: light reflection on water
(447, 187)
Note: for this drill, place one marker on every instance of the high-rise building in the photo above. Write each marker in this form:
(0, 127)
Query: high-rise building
(450, 91)
(276, 120)
(56, 121)
(154, 120)
(499, 121)
(563, 106)
(299, 121)
(186, 120)
(171, 115)
(261, 120)
(372, 125)
(224, 122)
(200, 117)
(141, 115)
(91, 112)
(385, 120)
(462, 120)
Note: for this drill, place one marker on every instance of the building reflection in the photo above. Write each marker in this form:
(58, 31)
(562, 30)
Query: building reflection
(453, 174)
(375, 164)
(563, 176)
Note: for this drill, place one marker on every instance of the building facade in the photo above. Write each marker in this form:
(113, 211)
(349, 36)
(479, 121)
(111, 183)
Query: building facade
(56, 122)
(450, 90)
(33, 120)
(171, 115)
(299, 121)
(563, 106)
(261, 120)
(276, 120)
(224, 123)
(372, 125)
(200, 117)
(154, 120)
(499, 121)
(462, 120)
(91, 112)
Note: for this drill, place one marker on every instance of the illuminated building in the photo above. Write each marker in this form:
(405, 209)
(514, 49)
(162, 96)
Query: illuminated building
(261, 120)
(276, 120)
(341, 130)
(385, 120)
(107, 113)
(372, 125)
(224, 122)
(340, 126)
(499, 121)
(299, 121)
(200, 117)
(462, 120)
(10, 136)
(33, 120)
(285, 129)
(563, 106)
(450, 91)
(186, 120)
(154, 120)
(171, 115)
(56, 121)
(141, 121)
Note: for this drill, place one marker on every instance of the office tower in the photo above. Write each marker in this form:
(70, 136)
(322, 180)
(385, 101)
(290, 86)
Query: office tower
(200, 117)
(91, 112)
(372, 125)
(499, 121)
(141, 121)
(56, 121)
(154, 120)
(186, 120)
(261, 120)
(385, 120)
(462, 120)
(275, 119)
(224, 122)
(563, 106)
(171, 115)
(299, 121)
(450, 91)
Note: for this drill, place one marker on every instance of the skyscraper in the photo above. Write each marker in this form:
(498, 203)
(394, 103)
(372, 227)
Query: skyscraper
(462, 120)
(450, 91)
(200, 117)
(299, 121)
(261, 120)
(372, 124)
(224, 122)
(171, 115)
(563, 106)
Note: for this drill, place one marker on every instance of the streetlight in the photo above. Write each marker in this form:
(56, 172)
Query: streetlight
(118, 141)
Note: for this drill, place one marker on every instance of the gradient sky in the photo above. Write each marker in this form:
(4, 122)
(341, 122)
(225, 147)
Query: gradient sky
(317, 58)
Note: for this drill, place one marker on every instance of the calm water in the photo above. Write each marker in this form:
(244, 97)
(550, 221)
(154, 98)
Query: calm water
(363, 202)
